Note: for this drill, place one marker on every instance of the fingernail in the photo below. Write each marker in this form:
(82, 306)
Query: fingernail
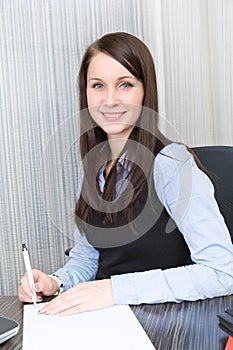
(35, 288)
(41, 312)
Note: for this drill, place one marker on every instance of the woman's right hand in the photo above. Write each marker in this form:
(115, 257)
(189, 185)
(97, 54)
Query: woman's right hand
(44, 285)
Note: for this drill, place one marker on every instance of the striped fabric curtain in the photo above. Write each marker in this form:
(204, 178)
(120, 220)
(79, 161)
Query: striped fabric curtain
(41, 45)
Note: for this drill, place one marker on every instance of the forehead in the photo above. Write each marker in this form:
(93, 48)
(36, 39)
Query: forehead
(103, 65)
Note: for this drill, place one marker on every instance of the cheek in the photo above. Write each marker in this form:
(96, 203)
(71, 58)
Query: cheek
(93, 113)
(139, 98)
(93, 99)
(92, 106)
(89, 100)
(136, 97)
(136, 112)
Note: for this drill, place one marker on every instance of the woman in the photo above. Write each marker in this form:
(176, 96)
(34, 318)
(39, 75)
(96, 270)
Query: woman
(148, 227)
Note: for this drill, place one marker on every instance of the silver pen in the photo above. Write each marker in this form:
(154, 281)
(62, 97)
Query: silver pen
(29, 272)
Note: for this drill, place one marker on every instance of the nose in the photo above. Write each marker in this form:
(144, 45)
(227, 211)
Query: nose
(111, 97)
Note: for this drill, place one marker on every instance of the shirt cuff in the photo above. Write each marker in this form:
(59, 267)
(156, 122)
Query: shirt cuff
(65, 279)
(123, 289)
(140, 287)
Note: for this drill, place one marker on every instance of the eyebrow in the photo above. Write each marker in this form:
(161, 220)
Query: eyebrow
(120, 78)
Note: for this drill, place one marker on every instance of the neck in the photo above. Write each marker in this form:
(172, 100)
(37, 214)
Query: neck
(117, 143)
(116, 146)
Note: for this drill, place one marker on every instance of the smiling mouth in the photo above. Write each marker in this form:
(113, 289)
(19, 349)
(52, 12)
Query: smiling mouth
(113, 116)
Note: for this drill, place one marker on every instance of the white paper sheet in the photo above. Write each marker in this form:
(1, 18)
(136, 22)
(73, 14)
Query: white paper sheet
(113, 328)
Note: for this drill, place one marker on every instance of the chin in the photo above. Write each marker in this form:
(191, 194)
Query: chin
(114, 131)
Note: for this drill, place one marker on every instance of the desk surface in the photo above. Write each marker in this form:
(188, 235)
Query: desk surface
(185, 326)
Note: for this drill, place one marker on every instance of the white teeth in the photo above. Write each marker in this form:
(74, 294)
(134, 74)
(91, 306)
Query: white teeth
(112, 115)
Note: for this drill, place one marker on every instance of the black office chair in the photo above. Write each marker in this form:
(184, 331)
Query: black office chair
(218, 161)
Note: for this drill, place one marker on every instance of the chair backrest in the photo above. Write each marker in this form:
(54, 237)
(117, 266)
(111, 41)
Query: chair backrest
(218, 161)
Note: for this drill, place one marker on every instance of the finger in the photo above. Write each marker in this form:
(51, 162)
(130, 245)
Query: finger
(54, 308)
(24, 282)
(28, 289)
(63, 302)
(24, 287)
(23, 296)
(83, 307)
(25, 293)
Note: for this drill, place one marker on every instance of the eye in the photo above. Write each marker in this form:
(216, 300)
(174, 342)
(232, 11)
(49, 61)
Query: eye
(97, 86)
(126, 85)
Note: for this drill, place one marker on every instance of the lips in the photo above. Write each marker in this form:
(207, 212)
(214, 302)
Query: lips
(113, 116)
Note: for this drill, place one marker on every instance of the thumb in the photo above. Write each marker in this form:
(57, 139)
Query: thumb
(38, 287)
(46, 286)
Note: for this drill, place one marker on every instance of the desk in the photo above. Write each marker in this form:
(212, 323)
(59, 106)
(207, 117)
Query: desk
(185, 326)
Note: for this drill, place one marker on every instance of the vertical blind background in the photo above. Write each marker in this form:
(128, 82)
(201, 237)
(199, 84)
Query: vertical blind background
(41, 45)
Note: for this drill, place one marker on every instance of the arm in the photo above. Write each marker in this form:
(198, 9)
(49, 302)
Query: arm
(82, 264)
(81, 292)
(188, 196)
(83, 258)
(81, 267)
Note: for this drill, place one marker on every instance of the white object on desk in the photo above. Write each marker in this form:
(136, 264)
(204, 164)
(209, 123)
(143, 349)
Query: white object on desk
(112, 328)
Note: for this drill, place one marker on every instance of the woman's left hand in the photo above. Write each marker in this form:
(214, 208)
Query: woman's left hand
(86, 296)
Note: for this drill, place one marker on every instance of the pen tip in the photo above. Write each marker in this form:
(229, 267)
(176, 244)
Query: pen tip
(24, 246)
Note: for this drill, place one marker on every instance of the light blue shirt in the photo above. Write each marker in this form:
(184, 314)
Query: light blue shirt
(188, 196)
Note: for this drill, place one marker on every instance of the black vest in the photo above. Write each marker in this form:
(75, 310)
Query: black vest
(122, 250)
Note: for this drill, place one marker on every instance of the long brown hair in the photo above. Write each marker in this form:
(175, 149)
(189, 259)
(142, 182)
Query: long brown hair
(134, 55)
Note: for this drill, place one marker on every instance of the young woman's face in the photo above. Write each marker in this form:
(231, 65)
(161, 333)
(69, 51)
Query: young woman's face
(114, 96)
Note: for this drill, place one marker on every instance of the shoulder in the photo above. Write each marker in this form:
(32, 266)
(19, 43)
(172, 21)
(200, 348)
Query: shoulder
(172, 158)
(176, 171)
(177, 151)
